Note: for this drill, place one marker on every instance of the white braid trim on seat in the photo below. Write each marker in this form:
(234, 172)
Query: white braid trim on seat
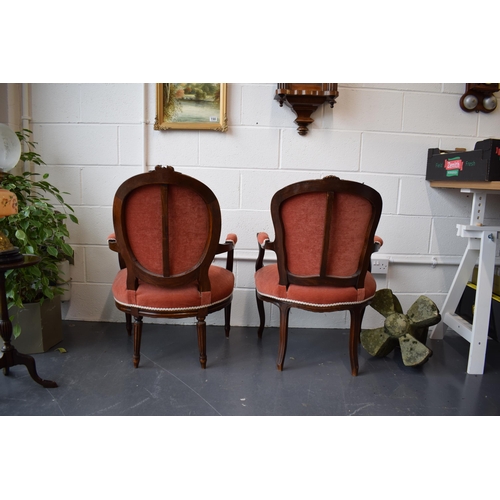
(172, 309)
(313, 304)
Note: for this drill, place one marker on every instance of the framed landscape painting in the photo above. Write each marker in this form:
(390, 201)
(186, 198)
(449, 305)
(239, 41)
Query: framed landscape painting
(196, 106)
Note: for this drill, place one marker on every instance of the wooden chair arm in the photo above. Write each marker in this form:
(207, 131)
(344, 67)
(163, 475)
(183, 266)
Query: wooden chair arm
(228, 247)
(264, 244)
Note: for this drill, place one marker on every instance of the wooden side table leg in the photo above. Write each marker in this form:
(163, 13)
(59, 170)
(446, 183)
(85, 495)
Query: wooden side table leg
(29, 363)
(10, 356)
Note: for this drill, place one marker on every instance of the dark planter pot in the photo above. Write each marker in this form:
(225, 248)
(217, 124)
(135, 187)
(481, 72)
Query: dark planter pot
(41, 326)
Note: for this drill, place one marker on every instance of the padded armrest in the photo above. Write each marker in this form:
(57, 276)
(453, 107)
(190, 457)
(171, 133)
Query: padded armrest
(112, 242)
(377, 243)
(232, 237)
(262, 238)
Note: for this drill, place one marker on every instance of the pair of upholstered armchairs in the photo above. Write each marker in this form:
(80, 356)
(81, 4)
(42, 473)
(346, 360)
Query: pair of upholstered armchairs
(166, 231)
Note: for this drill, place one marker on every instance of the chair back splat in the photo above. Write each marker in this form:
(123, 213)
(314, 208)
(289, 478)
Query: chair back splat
(167, 229)
(324, 238)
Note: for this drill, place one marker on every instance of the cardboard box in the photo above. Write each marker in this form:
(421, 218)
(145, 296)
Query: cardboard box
(481, 164)
(466, 306)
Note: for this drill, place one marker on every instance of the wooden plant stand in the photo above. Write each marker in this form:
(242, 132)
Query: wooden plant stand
(9, 355)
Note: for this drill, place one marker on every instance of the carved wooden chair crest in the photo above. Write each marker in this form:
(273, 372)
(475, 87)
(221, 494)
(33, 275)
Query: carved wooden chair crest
(324, 237)
(167, 228)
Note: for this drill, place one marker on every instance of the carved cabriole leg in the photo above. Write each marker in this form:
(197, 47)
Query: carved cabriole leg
(202, 340)
(361, 320)
(227, 319)
(29, 363)
(262, 316)
(137, 340)
(356, 316)
(284, 313)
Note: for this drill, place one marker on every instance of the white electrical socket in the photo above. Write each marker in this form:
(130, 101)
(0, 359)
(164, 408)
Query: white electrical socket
(380, 266)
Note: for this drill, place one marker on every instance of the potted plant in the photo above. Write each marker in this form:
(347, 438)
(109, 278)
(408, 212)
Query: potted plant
(38, 228)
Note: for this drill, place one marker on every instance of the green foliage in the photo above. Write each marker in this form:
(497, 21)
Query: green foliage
(38, 228)
(29, 155)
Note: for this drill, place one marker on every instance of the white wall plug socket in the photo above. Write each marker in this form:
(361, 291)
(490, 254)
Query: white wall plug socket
(380, 266)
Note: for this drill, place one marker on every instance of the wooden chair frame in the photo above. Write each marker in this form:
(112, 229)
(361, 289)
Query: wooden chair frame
(331, 186)
(119, 242)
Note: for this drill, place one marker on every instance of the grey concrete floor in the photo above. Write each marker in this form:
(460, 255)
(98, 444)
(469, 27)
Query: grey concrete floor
(95, 376)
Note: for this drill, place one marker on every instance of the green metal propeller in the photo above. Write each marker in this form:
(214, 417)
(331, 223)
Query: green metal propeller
(409, 330)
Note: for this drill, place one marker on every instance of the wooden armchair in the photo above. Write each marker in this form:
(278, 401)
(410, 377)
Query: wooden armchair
(324, 237)
(167, 228)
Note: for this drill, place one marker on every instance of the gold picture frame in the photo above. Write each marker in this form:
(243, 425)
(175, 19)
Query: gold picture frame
(191, 106)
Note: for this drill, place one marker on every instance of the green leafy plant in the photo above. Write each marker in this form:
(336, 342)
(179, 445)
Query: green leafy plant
(38, 228)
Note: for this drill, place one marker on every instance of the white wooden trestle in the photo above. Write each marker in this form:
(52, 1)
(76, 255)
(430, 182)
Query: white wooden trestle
(481, 250)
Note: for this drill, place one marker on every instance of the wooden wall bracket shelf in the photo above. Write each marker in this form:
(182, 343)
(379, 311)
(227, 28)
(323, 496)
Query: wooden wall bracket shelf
(304, 99)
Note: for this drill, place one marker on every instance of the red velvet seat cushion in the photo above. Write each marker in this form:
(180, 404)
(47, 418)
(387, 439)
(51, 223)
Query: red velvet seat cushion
(162, 299)
(267, 283)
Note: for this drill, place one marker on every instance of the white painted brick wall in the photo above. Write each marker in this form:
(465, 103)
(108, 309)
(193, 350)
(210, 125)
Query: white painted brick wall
(320, 150)
(366, 110)
(91, 137)
(240, 147)
(395, 153)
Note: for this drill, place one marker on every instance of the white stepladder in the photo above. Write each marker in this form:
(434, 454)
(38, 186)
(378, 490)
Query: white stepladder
(481, 250)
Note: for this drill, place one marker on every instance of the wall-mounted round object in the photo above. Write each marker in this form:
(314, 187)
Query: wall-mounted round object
(479, 97)
(10, 148)
(470, 102)
(490, 103)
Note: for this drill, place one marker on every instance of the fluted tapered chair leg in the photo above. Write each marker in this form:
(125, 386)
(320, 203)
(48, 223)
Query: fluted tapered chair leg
(128, 323)
(202, 340)
(227, 319)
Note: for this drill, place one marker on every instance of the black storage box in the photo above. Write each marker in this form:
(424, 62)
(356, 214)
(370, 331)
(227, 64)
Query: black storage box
(482, 164)
(465, 309)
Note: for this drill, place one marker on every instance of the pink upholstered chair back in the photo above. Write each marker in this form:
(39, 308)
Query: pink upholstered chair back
(167, 227)
(324, 231)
